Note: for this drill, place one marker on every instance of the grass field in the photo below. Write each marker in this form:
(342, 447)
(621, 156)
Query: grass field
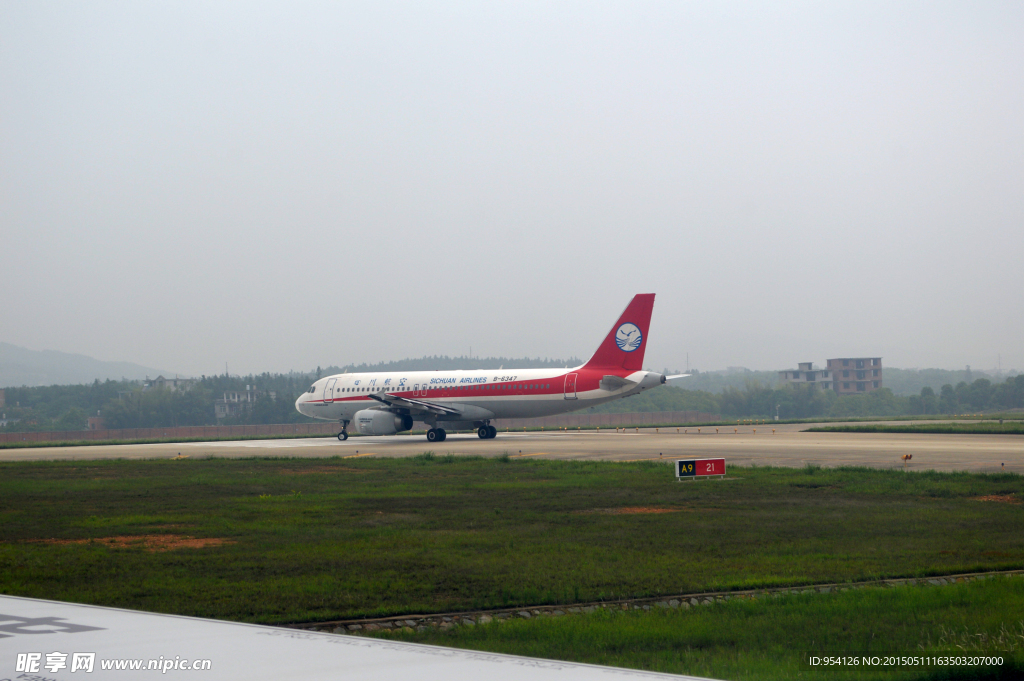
(286, 540)
(982, 428)
(771, 638)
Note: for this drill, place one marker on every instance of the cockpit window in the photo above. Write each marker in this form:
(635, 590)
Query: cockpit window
(312, 389)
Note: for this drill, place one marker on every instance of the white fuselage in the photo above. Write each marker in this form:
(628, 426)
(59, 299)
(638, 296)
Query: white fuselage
(478, 395)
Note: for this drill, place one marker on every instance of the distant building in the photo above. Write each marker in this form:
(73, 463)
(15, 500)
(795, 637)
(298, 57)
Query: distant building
(4, 421)
(95, 423)
(807, 375)
(171, 384)
(845, 375)
(236, 402)
(3, 400)
(853, 375)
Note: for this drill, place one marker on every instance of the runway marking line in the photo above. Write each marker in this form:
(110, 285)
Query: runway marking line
(356, 456)
(516, 456)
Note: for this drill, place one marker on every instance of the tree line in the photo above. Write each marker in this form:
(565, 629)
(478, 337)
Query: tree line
(757, 400)
(128, 404)
(902, 382)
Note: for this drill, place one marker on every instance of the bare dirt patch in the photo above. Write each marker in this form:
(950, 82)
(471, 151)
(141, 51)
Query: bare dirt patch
(631, 510)
(150, 542)
(320, 469)
(1000, 498)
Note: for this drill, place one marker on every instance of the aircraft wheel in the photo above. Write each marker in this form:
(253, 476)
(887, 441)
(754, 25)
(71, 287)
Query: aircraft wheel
(441, 435)
(343, 436)
(492, 432)
(433, 435)
(483, 432)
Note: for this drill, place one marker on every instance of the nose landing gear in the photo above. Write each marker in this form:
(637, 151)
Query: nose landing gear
(343, 435)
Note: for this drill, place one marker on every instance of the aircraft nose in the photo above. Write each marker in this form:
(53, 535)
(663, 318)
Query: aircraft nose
(298, 405)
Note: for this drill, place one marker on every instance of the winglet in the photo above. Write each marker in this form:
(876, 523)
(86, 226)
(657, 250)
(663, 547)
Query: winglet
(623, 347)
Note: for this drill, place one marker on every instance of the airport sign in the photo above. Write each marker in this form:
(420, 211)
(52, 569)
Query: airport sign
(696, 468)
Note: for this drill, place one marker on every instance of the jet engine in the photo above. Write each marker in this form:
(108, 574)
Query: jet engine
(379, 422)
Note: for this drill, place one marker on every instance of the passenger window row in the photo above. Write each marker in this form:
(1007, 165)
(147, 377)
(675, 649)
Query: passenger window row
(496, 386)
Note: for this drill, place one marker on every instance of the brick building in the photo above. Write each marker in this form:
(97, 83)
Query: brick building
(845, 375)
(852, 375)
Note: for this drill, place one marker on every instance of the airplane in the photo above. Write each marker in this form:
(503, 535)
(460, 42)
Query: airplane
(386, 403)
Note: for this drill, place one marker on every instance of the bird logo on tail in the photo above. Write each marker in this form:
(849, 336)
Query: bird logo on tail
(628, 337)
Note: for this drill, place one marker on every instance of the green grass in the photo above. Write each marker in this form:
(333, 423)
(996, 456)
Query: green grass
(323, 539)
(770, 638)
(984, 428)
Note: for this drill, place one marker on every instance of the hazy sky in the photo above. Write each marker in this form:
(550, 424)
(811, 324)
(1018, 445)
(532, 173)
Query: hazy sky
(285, 185)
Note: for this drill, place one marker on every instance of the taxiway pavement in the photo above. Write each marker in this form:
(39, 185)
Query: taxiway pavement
(739, 445)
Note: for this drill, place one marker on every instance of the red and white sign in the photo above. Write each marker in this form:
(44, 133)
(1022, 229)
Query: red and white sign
(709, 467)
(695, 468)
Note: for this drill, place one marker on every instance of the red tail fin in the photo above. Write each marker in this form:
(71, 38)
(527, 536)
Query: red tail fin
(623, 347)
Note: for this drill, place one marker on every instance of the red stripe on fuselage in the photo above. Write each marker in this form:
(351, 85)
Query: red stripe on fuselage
(585, 381)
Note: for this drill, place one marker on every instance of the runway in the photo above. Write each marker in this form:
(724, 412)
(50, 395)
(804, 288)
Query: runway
(786, 446)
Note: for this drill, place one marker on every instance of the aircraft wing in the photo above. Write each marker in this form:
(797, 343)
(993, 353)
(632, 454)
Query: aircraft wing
(35, 632)
(418, 406)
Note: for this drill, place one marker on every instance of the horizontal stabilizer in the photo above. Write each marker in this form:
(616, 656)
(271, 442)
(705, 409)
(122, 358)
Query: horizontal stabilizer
(612, 383)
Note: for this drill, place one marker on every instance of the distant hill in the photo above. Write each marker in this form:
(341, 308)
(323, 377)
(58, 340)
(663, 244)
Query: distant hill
(23, 367)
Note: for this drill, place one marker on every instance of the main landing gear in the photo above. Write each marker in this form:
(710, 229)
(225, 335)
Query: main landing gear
(486, 432)
(436, 435)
